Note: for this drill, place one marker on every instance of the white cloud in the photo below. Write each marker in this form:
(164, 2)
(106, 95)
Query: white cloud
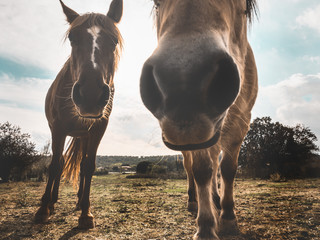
(27, 92)
(311, 59)
(310, 18)
(22, 104)
(292, 101)
(32, 32)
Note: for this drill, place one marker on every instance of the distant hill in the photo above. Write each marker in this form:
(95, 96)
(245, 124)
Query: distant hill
(110, 161)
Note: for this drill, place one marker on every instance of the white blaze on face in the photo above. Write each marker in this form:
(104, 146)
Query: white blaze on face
(94, 32)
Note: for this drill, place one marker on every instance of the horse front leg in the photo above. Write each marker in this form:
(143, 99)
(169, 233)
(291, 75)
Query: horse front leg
(50, 195)
(192, 201)
(86, 219)
(228, 220)
(82, 170)
(231, 141)
(203, 170)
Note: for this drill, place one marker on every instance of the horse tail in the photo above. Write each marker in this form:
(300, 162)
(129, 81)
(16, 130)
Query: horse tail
(72, 157)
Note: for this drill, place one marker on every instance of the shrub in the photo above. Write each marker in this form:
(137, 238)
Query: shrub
(144, 167)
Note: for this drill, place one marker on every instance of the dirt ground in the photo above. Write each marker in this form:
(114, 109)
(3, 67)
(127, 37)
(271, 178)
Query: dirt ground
(156, 209)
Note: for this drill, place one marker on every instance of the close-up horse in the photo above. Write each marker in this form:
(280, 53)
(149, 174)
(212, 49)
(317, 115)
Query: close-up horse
(79, 104)
(201, 84)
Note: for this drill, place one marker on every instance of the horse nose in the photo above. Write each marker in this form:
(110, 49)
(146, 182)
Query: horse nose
(79, 98)
(209, 87)
(105, 95)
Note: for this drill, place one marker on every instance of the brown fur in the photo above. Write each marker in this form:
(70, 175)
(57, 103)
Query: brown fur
(64, 109)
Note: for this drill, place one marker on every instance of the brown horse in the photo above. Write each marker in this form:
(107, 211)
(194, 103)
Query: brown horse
(201, 84)
(79, 102)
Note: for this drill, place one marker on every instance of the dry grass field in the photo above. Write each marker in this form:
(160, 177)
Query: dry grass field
(156, 209)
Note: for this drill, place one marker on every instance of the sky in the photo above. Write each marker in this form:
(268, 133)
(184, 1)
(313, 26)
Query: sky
(285, 40)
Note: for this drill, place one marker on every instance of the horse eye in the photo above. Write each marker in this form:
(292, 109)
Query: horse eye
(72, 38)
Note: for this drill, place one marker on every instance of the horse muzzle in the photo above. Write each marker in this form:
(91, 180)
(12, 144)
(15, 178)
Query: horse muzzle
(90, 103)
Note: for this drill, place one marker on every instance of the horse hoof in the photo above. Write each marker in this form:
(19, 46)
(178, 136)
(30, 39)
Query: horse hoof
(193, 207)
(42, 215)
(228, 227)
(86, 222)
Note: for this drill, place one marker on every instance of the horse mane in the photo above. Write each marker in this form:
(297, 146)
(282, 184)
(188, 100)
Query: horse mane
(106, 25)
(252, 10)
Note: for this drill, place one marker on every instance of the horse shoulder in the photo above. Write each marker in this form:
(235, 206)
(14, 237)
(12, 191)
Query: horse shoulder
(59, 94)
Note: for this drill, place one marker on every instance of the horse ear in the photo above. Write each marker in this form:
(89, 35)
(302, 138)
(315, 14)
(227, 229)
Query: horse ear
(115, 10)
(70, 14)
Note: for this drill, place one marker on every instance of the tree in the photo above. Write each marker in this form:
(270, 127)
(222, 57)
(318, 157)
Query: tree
(274, 148)
(17, 152)
(39, 169)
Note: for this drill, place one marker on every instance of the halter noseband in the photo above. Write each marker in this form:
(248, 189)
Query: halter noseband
(192, 147)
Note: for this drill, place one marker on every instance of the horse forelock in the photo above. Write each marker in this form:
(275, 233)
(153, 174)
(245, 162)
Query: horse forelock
(251, 10)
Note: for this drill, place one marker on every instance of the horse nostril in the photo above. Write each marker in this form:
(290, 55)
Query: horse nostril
(76, 95)
(149, 90)
(225, 85)
(105, 95)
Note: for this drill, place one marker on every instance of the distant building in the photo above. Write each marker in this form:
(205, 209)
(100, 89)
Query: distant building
(126, 169)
